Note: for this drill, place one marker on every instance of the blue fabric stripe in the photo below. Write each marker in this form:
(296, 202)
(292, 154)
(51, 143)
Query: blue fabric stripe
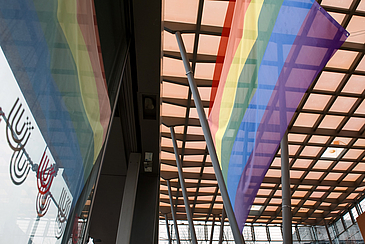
(287, 25)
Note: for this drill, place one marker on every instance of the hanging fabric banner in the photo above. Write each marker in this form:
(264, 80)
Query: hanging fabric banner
(55, 111)
(274, 51)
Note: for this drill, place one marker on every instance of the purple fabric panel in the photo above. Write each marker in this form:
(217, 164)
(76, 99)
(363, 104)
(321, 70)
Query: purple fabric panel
(317, 40)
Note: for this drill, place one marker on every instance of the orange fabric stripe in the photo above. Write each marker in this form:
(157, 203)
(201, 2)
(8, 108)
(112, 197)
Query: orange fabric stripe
(236, 31)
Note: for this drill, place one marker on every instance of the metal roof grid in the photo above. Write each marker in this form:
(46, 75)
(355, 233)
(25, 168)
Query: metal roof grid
(335, 102)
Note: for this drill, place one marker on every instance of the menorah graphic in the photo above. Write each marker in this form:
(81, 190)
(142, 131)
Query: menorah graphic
(18, 131)
(45, 175)
(42, 203)
(63, 211)
(19, 167)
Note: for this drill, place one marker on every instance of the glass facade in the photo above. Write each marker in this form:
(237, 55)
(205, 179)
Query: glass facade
(343, 230)
(260, 234)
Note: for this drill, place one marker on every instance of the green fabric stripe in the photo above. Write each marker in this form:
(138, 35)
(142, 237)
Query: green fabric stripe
(64, 72)
(247, 82)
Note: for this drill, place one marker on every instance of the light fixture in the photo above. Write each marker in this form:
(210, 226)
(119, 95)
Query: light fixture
(333, 152)
(256, 207)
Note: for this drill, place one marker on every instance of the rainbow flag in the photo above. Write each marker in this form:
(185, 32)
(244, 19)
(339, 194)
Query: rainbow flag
(273, 52)
(52, 47)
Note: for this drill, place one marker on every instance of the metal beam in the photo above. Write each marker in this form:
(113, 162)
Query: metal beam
(186, 28)
(194, 59)
(285, 184)
(212, 203)
(129, 197)
(199, 182)
(184, 81)
(183, 189)
(209, 140)
(173, 213)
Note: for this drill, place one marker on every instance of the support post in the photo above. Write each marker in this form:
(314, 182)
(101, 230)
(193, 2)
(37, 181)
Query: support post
(297, 233)
(212, 231)
(209, 140)
(168, 229)
(173, 213)
(286, 195)
(328, 232)
(222, 226)
(183, 189)
(129, 197)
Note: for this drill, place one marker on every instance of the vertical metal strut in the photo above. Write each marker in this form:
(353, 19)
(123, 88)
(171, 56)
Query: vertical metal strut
(222, 226)
(209, 140)
(286, 195)
(173, 213)
(168, 229)
(183, 189)
(328, 232)
(212, 231)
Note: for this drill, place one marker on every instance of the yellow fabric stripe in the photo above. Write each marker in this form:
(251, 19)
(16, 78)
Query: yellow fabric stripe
(249, 35)
(67, 17)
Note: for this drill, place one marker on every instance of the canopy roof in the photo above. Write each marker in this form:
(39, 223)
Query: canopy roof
(326, 135)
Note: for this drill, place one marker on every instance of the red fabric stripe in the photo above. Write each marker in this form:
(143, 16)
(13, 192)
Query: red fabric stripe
(87, 23)
(98, 44)
(221, 51)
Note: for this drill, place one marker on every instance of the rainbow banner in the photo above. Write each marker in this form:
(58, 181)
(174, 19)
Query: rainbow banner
(274, 51)
(54, 113)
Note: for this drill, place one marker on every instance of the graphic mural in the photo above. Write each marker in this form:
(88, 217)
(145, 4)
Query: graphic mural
(43, 194)
(54, 115)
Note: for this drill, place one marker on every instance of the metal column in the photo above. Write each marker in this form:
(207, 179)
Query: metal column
(173, 213)
(286, 195)
(183, 189)
(209, 140)
(168, 229)
(212, 231)
(222, 227)
(129, 197)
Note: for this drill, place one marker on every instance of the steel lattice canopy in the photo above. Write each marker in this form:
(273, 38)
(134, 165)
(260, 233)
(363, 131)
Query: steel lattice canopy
(326, 135)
